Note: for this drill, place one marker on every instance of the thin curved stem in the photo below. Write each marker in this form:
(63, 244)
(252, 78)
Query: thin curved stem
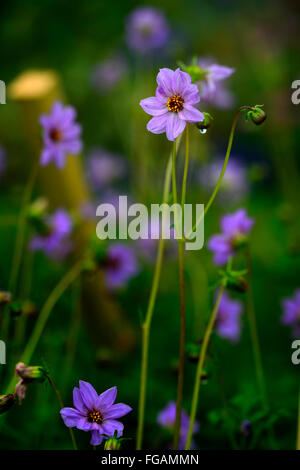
(149, 313)
(218, 185)
(54, 296)
(21, 229)
(200, 365)
(177, 425)
(61, 404)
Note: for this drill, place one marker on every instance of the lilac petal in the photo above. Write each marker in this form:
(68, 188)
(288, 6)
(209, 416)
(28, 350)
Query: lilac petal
(109, 427)
(85, 425)
(153, 106)
(191, 114)
(191, 95)
(46, 157)
(78, 401)
(88, 393)
(117, 411)
(180, 82)
(107, 398)
(220, 72)
(161, 95)
(71, 417)
(174, 126)
(165, 80)
(157, 124)
(96, 438)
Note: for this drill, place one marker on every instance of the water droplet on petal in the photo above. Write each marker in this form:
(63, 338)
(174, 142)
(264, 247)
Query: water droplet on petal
(203, 131)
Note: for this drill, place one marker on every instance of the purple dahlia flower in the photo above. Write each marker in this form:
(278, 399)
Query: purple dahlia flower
(228, 323)
(120, 265)
(95, 413)
(235, 229)
(173, 104)
(291, 313)
(104, 167)
(56, 242)
(108, 73)
(166, 419)
(212, 87)
(62, 135)
(146, 29)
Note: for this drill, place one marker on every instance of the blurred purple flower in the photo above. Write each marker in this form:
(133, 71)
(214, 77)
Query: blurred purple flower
(173, 104)
(166, 419)
(120, 265)
(95, 413)
(146, 29)
(235, 229)
(212, 87)
(108, 73)
(104, 167)
(55, 243)
(2, 160)
(291, 313)
(228, 324)
(246, 428)
(234, 185)
(61, 136)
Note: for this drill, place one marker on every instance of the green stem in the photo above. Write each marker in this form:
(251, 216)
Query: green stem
(21, 230)
(61, 404)
(254, 333)
(149, 313)
(57, 292)
(17, 256)
(201, 360)
(177, 425)
(218, 185)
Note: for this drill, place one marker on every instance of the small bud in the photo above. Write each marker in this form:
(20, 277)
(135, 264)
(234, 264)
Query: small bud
(5, 298)
(112, 444)
(6, 402)
(257, 114)
(206, 123)
(30, 373)
(29, 308)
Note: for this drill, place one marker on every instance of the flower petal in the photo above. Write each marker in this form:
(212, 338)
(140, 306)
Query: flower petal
(157, 125)
(191, 114)
(165, 80)
(180, 82)
(88, 393)
(71, 417)
(116, 411)
(96, 438)
(174, 126)
(107, 398)
(109, 427)
(78, 401)
(153, 106)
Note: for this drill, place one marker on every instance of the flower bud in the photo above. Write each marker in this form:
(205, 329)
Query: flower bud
(246, 428)
(15, 309)
(30, 373)
(5, 297)
(206, 123)
(112, 444)
(257, 114)
(6, 402)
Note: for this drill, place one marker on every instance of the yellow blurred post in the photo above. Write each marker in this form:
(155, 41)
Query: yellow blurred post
(35, 91)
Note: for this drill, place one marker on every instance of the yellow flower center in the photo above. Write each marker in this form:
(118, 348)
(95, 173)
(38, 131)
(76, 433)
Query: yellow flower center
(95, 417)
(175, 103)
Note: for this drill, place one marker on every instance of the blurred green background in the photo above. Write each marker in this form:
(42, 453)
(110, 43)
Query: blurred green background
(261, 41)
